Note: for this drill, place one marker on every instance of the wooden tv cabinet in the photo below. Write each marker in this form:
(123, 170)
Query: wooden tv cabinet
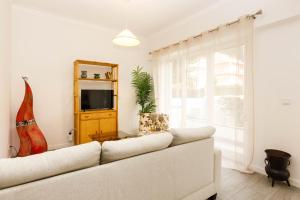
(103, 123)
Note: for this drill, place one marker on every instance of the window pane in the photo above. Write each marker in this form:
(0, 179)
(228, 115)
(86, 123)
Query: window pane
(196, 80)
(176, 101)
(188, 106)
(229, 87)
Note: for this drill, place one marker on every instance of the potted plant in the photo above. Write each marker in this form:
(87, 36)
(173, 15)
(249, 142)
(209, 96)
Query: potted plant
(143, 84)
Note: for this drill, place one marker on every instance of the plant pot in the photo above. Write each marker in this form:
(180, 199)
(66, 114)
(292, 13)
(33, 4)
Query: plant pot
(96, 76)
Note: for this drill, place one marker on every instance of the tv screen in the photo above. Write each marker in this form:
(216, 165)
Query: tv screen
(97, 99)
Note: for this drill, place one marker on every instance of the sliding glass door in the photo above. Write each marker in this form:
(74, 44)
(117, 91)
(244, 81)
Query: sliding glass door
(209, 81)
(209, 90)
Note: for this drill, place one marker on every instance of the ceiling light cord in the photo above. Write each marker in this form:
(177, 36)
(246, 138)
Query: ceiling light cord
(126, 14)
(126, 37)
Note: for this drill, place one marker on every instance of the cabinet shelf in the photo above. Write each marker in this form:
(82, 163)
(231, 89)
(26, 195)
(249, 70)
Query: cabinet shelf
(99, 79)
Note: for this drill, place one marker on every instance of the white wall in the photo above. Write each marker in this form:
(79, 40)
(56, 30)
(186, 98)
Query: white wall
(44, 48)
(277, 80)
(277, 71)
(5, 27)
(223, 12)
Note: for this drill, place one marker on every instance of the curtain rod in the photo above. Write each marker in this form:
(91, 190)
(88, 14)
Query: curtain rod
(253, 16)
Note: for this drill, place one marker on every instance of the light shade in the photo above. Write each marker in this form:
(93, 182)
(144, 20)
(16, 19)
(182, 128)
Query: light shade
(126, 38)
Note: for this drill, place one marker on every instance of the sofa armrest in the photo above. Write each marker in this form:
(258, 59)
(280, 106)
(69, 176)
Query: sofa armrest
(217, 168)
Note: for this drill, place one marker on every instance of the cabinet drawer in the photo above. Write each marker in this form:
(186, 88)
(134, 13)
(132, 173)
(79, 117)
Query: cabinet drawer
(86, 116)
(106, 115)
(98, 115)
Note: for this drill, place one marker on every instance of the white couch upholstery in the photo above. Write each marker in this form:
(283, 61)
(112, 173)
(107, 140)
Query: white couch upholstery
(26, 169)
(121, 149)
(185, 135)
(188, 171)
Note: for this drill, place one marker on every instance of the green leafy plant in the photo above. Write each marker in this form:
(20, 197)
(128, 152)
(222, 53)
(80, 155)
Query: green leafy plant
(143, 85)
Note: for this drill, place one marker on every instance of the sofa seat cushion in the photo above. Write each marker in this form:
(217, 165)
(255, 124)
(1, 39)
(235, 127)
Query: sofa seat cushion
(120, 149)
(185, 135)
(15, 171)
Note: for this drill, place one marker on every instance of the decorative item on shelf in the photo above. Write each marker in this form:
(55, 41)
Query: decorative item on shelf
(32, 140)
(83, 74)
(108, 75)
(96, 76)
(276, 165)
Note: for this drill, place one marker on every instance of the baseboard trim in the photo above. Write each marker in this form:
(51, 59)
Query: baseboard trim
(258, 169)
(59, 146)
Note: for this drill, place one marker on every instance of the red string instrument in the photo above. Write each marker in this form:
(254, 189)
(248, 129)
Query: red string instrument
(32, 140)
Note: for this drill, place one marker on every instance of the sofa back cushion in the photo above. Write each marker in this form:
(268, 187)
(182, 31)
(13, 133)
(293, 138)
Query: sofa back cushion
(180, 172)
(15, 171)
(120, 149)
(185, 135)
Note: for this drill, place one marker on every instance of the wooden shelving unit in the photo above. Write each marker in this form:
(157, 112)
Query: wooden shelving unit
(103, 123)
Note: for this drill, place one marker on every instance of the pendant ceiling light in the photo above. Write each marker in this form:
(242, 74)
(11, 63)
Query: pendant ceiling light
(126, 37)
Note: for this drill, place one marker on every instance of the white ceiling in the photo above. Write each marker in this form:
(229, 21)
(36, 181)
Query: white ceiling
(145, 17)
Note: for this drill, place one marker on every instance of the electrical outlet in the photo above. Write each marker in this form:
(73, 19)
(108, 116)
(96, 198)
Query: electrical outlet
(12, 151)
(71, 135)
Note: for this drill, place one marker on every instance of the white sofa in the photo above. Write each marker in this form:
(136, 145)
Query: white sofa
(186, 171)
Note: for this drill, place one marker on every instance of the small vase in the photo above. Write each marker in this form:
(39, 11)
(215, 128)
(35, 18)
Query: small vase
(83, 74)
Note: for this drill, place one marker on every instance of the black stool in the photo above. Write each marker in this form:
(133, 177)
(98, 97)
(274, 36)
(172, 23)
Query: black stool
(276, 165)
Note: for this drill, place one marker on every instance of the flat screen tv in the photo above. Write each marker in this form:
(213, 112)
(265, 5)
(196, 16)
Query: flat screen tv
(97, 99)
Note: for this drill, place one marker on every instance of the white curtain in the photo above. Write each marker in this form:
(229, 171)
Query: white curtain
(208, 81)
